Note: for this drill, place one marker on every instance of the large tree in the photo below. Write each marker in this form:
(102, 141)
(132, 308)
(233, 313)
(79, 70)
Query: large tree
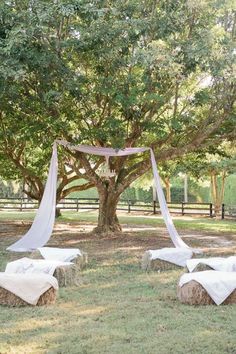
(36, 97)
(119, 74)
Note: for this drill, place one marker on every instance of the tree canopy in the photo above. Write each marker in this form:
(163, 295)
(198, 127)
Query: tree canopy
(113, 73)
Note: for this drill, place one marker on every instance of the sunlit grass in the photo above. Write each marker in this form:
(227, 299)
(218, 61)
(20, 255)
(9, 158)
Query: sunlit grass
(120, 309)
(191, 223)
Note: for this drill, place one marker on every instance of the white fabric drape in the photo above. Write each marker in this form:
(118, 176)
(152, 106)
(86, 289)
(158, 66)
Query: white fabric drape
(34, 266)
(176, 239)
(42, 227)
(219, 285)
(216, 263)
(59, 254)
(178, 256)
(29, 287)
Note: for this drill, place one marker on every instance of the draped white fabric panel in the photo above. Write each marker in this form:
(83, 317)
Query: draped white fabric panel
(219, 285)
(42, 227)
(176, 239)
(59, 254)
(178, 256)
(34, 266)
(101, 151)
(217, 263)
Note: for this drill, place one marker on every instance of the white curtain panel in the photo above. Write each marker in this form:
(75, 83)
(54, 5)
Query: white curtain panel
(42, 227)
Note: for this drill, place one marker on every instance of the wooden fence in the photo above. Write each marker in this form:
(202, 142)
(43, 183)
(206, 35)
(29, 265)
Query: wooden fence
(77, 204)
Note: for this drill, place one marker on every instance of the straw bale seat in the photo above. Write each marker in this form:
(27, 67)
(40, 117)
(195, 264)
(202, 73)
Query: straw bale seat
(9, 299)
(193, 293)
(148, 263)
(79, 261)
(68, 275)
(201, 267)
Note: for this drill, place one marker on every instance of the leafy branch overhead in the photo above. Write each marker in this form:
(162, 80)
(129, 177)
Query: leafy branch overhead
(119, 74)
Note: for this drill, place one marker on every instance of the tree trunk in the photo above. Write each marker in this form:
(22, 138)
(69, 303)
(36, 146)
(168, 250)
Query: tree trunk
(107, 218)
(168, 189)
(217, 191)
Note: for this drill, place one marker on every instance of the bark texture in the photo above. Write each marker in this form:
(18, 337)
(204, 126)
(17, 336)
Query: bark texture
(107, 218)
(217, 190)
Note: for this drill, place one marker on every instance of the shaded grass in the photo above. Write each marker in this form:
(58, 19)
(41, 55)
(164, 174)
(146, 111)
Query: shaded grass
(118, 309)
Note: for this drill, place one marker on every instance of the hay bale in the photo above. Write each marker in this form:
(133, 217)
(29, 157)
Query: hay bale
(80, 261)
(193, 293)
(35, 255)
(9, 299)
(156, 264)
(68, 275)
(201, 267)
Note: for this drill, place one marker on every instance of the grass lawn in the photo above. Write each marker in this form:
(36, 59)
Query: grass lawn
(119, 308)
(191, 223)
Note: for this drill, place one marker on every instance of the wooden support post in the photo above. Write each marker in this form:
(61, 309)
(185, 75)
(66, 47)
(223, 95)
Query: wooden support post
(222, 211)
(21, 204)
(77, 204)
(211, 210)
(129, 206)
(154, 207)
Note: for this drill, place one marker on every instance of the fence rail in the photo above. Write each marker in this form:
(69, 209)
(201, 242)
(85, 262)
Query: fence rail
(77, 204)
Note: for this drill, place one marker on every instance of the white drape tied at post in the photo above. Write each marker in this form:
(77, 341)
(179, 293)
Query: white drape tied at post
(42, 227)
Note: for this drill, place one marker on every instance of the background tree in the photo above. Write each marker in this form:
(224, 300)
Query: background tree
(216, 167)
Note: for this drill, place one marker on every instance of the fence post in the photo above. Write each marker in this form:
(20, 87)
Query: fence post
(21, 204)
(182, 208)
(77, 204)
(211, 210)
(154, 207)
(129, 207)
(222, 211)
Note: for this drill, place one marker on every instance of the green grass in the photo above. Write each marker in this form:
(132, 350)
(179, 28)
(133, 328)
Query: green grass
(119, 308)
(198, 224)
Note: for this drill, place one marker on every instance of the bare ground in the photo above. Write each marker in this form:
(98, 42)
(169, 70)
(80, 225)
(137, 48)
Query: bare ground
(132, 242)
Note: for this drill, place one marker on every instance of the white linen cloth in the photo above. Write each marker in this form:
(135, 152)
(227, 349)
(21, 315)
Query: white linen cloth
(34, 266)
(177, 256)
(217, 263)
(219, 285)
(59, 254)
(29, 287)
(42, 227)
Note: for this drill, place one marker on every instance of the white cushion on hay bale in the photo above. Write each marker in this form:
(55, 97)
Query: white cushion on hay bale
(217, 263)
(66, 273)
(74, 255)
(209, 287)
(27, 289)
(166, 258)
